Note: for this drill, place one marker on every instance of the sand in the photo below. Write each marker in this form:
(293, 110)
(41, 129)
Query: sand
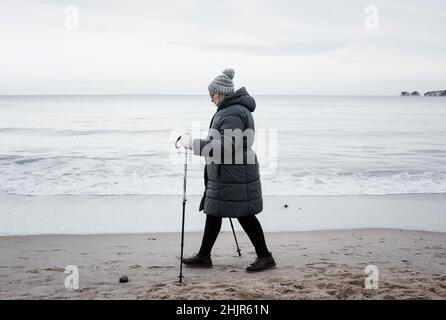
(310, 265)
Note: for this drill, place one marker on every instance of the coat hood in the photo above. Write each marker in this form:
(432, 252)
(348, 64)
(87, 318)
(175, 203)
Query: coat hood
(242, 97)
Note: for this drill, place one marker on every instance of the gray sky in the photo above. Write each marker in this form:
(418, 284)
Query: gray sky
(179, 46)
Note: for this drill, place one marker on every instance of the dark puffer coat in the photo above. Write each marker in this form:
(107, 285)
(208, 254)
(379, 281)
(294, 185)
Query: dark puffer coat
(233, 189)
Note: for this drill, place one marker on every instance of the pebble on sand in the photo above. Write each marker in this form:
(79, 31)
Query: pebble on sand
(123, 279)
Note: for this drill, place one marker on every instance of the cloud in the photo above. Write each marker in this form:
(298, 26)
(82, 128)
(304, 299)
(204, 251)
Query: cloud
(175, 46)
(296, 48)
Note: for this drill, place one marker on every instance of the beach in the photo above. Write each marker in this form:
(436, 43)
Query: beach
(318, 127)
(322, 245)
(347, 181)
(310, 265)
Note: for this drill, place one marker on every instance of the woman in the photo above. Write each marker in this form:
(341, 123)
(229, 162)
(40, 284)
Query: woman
(233, 187)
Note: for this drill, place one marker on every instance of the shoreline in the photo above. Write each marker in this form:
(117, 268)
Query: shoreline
(91, 214)
(222, 231)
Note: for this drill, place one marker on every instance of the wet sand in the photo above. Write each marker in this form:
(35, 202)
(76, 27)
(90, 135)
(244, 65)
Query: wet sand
(103, 214)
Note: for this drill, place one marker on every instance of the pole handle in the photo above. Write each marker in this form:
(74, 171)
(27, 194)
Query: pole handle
(176, 143)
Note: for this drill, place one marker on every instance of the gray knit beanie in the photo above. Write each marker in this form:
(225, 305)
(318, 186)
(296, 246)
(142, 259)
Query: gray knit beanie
(222, 84)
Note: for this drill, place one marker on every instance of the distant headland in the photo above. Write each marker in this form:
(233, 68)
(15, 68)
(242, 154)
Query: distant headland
(439, 93)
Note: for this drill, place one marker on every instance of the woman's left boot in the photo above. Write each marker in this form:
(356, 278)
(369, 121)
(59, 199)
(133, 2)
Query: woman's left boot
(261, 264)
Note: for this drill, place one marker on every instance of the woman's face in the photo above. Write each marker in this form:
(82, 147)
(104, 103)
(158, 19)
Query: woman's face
(215, 98)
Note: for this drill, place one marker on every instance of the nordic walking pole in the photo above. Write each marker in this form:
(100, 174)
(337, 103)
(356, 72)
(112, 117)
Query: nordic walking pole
(236, 243)
(184, 211)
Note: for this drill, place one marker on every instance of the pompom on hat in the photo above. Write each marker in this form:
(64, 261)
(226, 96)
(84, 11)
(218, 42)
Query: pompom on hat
(223, 84)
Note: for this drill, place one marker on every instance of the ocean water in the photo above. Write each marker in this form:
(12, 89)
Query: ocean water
(315, 145)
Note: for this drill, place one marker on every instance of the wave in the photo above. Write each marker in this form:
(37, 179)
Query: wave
(78, 132)
(119, 180)
(23, 160)
(149, 172)
(200, 194)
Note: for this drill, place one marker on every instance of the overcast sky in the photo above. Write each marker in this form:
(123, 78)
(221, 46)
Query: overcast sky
(179, 46)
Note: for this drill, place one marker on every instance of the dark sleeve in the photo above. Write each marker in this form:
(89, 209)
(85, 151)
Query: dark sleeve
(229, 122)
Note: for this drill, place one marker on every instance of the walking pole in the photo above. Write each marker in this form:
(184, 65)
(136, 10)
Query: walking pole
(184, 210)
(236, 243)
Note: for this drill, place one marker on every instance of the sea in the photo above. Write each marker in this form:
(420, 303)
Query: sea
(306, 145)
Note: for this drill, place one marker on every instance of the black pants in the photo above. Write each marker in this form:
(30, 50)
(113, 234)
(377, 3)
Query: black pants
(251, 226)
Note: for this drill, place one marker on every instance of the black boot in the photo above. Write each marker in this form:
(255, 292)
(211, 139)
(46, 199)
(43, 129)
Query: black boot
(198, 261)
(262, 264)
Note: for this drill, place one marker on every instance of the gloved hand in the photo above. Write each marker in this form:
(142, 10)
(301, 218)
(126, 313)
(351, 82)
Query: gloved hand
(186, 141)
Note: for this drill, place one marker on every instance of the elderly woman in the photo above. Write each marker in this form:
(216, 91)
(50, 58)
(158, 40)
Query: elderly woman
(232, 181)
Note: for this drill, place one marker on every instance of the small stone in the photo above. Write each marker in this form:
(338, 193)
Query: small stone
(123, 279)
(404, 260)
(285, 206)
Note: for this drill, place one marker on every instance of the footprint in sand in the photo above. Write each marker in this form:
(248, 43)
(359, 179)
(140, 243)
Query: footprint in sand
(357, 282)
(324, 259)
(54, 269)
(113, 261)
(123, 253)
(33, 271)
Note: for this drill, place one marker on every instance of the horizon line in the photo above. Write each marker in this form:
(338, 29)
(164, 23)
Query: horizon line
(192, 95)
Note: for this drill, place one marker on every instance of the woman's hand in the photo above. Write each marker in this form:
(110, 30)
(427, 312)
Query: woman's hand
(186, 141)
